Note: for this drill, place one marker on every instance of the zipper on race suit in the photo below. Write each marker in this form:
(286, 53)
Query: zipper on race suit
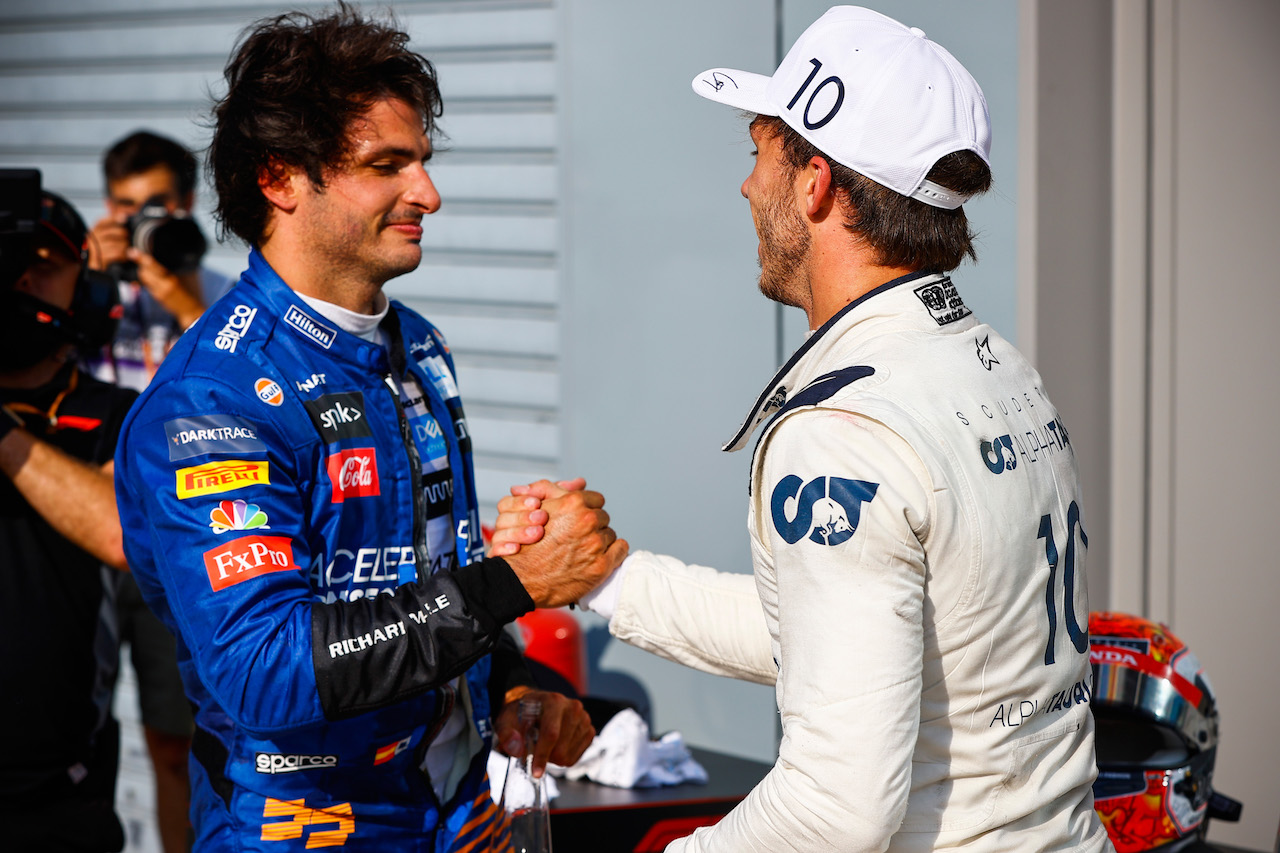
(421, 556)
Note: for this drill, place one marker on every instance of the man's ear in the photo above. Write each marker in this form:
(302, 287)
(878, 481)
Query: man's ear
(280, 185)
(818, 195)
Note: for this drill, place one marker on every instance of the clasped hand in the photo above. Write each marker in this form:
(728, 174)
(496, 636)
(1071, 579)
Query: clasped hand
(557, 539)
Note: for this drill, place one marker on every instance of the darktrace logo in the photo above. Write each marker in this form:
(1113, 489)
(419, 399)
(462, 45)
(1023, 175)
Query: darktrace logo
(339, 416)
(272, 762)
(201, 434)
(827, 509)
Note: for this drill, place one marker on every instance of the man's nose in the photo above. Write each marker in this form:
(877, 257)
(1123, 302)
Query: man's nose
(422, 192)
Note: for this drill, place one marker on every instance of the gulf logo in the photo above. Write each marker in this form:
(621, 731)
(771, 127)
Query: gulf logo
(269, 391)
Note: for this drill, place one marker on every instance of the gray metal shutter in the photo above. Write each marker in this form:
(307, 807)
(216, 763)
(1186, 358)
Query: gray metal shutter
(76, 75)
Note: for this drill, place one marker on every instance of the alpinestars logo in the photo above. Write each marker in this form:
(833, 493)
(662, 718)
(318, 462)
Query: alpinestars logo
(985, 355)
(827, 509)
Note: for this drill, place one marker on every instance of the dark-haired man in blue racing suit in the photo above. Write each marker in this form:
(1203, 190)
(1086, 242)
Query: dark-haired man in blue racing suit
(299, 507)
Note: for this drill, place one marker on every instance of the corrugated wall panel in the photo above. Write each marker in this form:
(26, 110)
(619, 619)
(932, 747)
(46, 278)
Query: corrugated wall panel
(76, 75)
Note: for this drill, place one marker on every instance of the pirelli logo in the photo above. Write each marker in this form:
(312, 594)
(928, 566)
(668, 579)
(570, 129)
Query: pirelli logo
(214, 478)
(326, 827)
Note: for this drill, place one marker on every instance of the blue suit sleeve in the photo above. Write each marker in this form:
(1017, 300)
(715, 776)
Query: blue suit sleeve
(221, 544)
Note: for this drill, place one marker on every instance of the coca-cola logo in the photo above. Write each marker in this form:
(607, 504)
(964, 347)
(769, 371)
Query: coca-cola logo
(354, 473)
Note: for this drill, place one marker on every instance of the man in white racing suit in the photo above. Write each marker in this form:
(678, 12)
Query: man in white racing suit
(918, 595)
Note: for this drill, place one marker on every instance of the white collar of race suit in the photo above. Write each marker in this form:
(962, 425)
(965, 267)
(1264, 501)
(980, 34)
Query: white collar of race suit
(794, 375)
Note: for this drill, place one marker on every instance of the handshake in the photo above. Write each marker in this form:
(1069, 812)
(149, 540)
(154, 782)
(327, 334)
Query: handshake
(556, 538)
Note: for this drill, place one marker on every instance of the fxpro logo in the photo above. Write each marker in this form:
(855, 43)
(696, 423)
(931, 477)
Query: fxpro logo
(271, 762)
(248, 557)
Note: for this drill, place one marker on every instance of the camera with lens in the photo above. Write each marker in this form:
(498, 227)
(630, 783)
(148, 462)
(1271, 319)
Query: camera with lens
(30, 327)
(19, 213)
(171, 237)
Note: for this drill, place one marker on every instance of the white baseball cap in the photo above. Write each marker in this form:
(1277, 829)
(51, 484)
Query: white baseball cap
(873, 95)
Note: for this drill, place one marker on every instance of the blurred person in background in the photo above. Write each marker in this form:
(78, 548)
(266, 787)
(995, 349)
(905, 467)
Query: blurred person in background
(150, 185)
(59, 744)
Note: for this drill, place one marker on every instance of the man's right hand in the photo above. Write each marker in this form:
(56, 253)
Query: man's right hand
(577, 549)
(108, 243)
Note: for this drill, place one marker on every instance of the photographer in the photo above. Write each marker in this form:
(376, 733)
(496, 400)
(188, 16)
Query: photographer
(151, 244)
(58, 525)
(150, 183)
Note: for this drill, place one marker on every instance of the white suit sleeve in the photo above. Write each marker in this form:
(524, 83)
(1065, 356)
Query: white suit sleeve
(840, 506)
(700, 617)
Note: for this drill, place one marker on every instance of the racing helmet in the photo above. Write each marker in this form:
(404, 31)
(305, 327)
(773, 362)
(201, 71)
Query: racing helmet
(1157, 736)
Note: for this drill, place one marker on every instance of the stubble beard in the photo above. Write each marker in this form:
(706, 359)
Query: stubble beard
(353, 256)
(784, 253)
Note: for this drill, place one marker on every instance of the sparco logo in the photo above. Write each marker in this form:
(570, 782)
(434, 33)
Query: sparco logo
(314, 329)
(354, 473)
(270, 762)
(339, 416)
(235, 329)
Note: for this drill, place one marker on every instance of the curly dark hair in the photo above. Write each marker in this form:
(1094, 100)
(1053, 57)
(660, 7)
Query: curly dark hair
(903, 231)
(295, 83)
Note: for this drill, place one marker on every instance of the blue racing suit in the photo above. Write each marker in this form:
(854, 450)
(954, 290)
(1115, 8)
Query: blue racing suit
(299, 508)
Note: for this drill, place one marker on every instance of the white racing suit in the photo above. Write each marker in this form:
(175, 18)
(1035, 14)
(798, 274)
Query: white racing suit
(918, 595)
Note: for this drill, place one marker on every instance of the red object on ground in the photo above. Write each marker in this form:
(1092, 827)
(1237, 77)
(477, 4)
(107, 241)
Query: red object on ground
(553, 637)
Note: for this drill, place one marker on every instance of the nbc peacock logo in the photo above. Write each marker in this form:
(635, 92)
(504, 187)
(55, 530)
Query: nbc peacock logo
(237, 515)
